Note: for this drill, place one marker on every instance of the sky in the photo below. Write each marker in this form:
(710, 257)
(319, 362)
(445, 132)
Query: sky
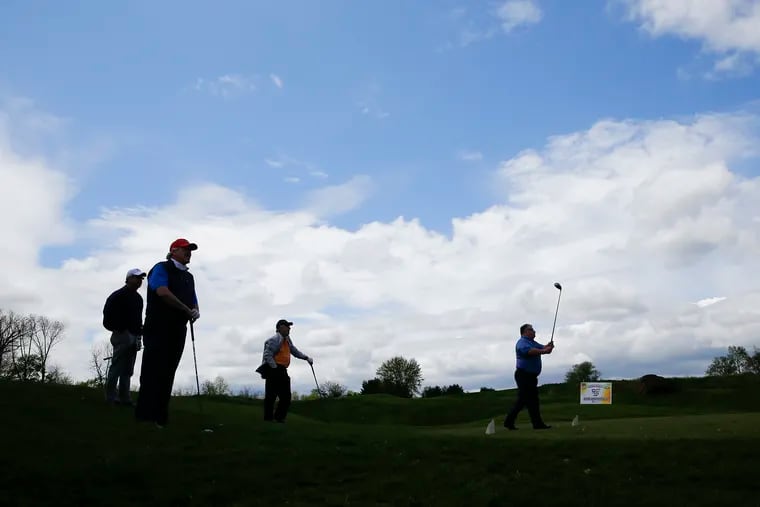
(397, 178)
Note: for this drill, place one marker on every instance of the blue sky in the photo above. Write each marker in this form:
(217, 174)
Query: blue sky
(417, 103)
(126, 74)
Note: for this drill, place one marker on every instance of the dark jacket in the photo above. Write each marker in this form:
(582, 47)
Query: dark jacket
(161, 316)
(123, 311)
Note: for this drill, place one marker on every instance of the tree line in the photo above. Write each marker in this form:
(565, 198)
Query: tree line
(26, 342)
(25, 345)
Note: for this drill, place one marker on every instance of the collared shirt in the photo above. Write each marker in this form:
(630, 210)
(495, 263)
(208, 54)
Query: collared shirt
(524, 361)
(180, 266)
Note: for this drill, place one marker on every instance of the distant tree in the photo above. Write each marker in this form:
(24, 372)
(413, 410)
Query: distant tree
(736, 362)
(217, 387)
(453, 389)
(401, 377)
(582, 372)
(92, 383)
(248, 392)
(56, 375)
(487, 389)
(98, 362)
(753, 365)
(333, 389)
(13, 329)
(373, 386)
(185, 390)
(27, 368)
(21, 365)
(46, 334)
(432, 392)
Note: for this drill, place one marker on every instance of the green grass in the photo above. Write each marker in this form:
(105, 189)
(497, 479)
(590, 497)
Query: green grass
(699, 446)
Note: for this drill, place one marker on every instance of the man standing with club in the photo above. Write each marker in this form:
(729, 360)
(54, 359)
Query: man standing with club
(171, 303)
(122, 315)
(274, 368)
(529, 353)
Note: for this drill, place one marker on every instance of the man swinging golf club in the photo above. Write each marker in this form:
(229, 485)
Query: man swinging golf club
(528, 368)
(274, 369)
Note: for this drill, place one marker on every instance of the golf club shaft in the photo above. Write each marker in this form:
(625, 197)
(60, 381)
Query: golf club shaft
(315, 380)
(555, 315)
(195, 361)
(105, 379)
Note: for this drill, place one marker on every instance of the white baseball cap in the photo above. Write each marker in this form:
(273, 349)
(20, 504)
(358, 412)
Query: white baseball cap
(135, 272)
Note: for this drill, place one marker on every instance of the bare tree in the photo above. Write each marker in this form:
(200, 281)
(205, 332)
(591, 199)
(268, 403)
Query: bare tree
(217, 387)
(331, 389)
(25, 365)
(56, 375)
(45, 335)
(12, 329)
(98, 354)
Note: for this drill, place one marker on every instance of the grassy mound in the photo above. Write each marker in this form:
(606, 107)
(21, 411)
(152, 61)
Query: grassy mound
(64, 446)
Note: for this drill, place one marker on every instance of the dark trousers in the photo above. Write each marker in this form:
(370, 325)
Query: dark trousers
(277, 386)
(527, 396)
(122, 366)
(161, 356)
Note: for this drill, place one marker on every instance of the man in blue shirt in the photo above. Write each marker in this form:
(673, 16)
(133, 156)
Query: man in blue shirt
(171, 303)
(528, 352)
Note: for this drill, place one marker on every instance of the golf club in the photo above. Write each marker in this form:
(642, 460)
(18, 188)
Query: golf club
(319, 390)
(195, 361)
(197, 383)
(105, 379)
(559, 287)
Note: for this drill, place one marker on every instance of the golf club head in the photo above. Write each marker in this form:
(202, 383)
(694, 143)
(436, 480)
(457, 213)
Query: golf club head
(557, 285)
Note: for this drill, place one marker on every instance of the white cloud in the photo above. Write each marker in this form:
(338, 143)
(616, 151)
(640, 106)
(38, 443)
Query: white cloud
(728, 28)
(33, 194)
(637, 220)
(338, 199)
(227, 86)
(277, 80)
(702, 303)
(274, 163)
(374, 112)
(733, 65)
(470, 156)
(515, 13)
(292, 179)
(472, 26)
(295, 164)
(368, 100)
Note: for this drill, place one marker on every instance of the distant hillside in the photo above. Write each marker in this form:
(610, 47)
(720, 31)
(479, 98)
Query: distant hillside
(559, 401)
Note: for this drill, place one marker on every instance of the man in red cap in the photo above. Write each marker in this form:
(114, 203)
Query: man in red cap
(171, 303)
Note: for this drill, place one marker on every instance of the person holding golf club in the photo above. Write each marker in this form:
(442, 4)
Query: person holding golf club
(122, 315)
(528, 368)
(171, 304)
(274, 368)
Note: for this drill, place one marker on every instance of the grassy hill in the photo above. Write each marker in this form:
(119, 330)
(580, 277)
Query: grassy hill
(559, 402)
(63, 446)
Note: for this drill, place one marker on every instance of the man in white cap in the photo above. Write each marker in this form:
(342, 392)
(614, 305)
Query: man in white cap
(122, 315)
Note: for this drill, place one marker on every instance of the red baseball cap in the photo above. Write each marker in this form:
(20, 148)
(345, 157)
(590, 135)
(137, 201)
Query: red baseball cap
(183, 243)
